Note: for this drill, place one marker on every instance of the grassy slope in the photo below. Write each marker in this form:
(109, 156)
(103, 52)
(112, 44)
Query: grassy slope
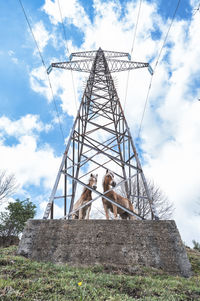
(23, 279)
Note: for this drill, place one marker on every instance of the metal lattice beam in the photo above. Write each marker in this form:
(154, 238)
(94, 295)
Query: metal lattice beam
(92, 54)
(86, 65)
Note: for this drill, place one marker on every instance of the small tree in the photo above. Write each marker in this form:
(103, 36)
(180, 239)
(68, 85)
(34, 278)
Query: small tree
(196, 245)
(13, 220)
(8, 185)
(164, 208)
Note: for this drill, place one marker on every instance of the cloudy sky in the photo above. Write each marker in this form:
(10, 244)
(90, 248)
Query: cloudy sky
(32, 137)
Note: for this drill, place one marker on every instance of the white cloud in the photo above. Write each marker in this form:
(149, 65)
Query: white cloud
(25, 125)
(62, 85)
(71, 10)
(4, 203)
(39, 82)
(11, 53)
(58, 211)
(31, 164)
(41, 35)
(194, 3)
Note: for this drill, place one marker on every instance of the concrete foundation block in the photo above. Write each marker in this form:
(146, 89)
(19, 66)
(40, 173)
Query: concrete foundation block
(123, 243)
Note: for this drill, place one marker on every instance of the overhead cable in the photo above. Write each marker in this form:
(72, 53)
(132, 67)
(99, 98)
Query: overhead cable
(156, 64)
(44, 65)
(196, 10)
(132, 47)
(64, 31)
(136, 25)
(65, 37)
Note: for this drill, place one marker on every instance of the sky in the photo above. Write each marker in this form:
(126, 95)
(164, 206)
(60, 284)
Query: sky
(32, 137)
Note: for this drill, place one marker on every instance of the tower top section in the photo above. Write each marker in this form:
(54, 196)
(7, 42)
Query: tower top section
(107, 53)
(116, 61)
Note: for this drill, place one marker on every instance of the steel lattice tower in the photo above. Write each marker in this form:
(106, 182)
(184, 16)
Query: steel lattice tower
(100, 137)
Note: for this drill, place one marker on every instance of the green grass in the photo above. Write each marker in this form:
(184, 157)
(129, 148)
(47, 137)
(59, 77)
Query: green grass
(24, 279)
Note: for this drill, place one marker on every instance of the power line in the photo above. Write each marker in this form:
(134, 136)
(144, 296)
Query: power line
(132, 47)
(64, 31)
(30, 28)
(44, 65)
(156, 64)
(147, 97)
(177, 6)
(136, 25)
(196, 10)
(65, 37)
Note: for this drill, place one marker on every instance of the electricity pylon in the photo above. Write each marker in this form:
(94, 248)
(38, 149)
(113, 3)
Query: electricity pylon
(100, 137)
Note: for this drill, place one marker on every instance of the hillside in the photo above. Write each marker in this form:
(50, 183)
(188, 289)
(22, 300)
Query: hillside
(23, 279)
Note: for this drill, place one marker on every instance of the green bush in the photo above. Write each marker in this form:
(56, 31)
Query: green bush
(13, 220)
(196, 245)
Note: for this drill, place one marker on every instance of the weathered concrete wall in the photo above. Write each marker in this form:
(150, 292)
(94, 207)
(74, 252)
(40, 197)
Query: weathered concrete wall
(113, 242)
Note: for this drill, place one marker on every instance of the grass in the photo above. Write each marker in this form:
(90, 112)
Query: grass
(24, 279)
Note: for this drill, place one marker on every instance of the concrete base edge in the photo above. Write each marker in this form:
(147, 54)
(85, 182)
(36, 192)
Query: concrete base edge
(113, 242)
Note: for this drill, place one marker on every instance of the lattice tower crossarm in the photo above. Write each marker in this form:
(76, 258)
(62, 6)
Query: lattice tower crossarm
(100, 137)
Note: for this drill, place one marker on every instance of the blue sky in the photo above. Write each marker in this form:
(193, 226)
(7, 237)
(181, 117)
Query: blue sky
(31, 144)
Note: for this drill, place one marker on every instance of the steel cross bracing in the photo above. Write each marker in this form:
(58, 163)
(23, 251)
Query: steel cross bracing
(86, 65)
(100, 138)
